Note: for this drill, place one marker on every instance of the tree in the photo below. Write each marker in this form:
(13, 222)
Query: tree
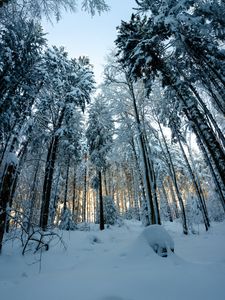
(49, 8)
(117, 74)
(68, 85)
(21, 77)
(99, 140)
(162, 46)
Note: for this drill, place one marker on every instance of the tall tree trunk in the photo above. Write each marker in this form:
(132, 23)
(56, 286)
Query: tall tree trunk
(84, 204)
(5, 192)
(66, 185)
(21, 157)
(74, 195)
(32, 195)
(173, 173)
(143, 203)
(214, 175)
(147, 180)
(105, 182)
(197, 120)
(48, 180)
(101, 209)
(153, 179)
(49, 171)
(55, 195)
(200, 196)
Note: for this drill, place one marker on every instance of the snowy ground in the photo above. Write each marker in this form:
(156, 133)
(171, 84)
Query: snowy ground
(117, 264)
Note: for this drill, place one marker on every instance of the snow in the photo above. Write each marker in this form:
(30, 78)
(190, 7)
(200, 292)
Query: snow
(11, 158)
(158, 238)
(118, 264)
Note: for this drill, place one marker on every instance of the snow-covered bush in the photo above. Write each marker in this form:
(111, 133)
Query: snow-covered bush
(158, 239)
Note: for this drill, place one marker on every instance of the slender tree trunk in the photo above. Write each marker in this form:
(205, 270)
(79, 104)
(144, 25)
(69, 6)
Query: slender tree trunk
(84, 194)
(214, 176)
(153, 180)
(55, 195)
(199, 124)
(101, 209)
(48, 180)
(208, 114)
(105, 182)
(147, 180)
(4, 197)
(32, 195)
(173, 173)
(66, 185)
(74, 194)
(144, 205)
(49, 171)
(199, 194)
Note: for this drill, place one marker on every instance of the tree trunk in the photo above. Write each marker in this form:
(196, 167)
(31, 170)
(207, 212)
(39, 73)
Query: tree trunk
(214, 176)
(197, 188)
(5, 192)
(74, 195)
(49, 171)
(143, 203)
(101, 209)
(48, 180)
(66, 185)
(153, 180)
(197, 120)
(173, 174)
(84, 204)
(147, 180)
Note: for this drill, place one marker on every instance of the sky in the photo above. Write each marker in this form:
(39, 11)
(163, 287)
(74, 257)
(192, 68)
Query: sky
(81, 34)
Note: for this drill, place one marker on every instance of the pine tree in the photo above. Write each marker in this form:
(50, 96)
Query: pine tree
(162, 46)
(68, 85)
(99, 139)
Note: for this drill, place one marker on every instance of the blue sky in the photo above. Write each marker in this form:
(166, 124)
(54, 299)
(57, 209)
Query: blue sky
(82, 34)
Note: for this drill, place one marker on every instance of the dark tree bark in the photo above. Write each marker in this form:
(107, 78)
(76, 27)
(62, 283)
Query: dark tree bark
(48, 180)
(49, 172)
(7, 181)
(197, 119)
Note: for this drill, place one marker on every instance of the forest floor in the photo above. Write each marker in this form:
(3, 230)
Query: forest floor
(116, 264)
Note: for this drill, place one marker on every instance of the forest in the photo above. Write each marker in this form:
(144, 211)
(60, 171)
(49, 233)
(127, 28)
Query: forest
(147, 145)
(103, 171)
(151, 143)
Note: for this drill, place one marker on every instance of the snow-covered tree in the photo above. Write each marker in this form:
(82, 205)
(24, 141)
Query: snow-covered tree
(68, 85)
(179, 42)
(21, 77)
(51, 8)
(99, 139)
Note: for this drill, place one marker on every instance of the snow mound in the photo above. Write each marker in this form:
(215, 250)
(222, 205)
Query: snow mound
(158, 239)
